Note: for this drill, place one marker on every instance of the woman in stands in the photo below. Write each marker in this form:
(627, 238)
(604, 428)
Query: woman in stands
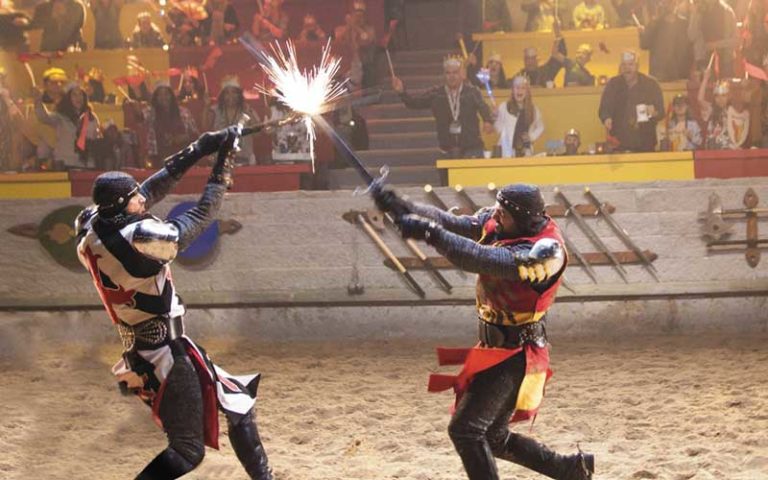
(76, 126)
(680, 131)
(518, 121)
(230, 106)
(727, 116)
(169, 126)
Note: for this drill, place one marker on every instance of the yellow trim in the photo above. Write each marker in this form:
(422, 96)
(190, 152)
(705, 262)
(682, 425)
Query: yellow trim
(568, 170)
(35, 185)
(487, 314)
(34, 177)
(531, 391)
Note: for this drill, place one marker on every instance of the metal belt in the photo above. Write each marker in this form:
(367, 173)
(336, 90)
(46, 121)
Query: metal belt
(512, 336)
(150, 334)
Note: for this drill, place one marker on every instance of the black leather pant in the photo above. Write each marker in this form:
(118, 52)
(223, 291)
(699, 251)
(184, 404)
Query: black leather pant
(181, 412)
(480, 428)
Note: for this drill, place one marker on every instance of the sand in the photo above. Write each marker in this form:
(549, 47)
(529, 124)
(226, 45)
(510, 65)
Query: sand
(668, 408)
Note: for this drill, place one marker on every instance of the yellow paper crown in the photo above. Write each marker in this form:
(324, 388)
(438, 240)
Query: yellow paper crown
(453, 61)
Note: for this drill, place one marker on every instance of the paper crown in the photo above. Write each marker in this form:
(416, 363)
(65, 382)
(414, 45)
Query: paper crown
(584, 48)
(628, 56)
(520, 80)
(231, 81)
(572, 132)
(55, 74)
(453, 61)
(495, 57)
(530, 52)
(359, 5)
(722, 87)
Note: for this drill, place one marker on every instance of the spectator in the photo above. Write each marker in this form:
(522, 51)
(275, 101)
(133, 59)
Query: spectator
(54, 80)
(76, 125)
(61, 22)
(518, 121)
(494, 68)
(497, 17)
(542, 75)
(576, 73)
(94, 86)
(589, 15)
(311, 31)
(190, 86)
(456, 106)
(221, 25)
(146, 34)
(726, 117)
(271, 23)
(360, 36)
(289, 142)
(170, 127)
(106, 14)
(229, 109)
(713, 30)
(184, 23)
(9, 115)
(541, 16)
(666, 38)
(572, 142)
(12, 28)
(680, 131)
(630, 107)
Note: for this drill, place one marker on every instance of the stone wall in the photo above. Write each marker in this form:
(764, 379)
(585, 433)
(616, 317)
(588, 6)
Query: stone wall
(295, 254)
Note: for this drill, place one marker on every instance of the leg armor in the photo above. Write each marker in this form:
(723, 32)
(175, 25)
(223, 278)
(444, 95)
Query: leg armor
(245, 440)
(181, 412)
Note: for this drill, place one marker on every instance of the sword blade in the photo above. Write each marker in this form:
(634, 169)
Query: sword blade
(345, 150)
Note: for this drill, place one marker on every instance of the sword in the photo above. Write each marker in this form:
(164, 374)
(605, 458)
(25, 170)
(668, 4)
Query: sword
(621, 233)
(571, 248)
(466, 198)
(434, 198)
(591, 233)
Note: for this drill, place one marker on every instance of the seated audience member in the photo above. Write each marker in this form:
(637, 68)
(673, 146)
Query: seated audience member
(13, 36)
(666, 39)
(61, 22)
(311, 31)
(222, 23)
(630, 107)
(54, 80)
(456, 106)
(76, 125)
(572, 142)
(170, 127)
(542, 75)
(106, 14)
(230, 108)
(493, 68)
(9, 116)
(146, 34)
(542, 16)
(726, 117)
(589, 15)
(289, 142)
(360, 36)
(576, 73)
(680, 131)
(518, 121)
(271, 23)
(184, 23)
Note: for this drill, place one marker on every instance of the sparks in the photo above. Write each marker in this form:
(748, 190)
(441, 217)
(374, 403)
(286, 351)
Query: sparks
(304, 92)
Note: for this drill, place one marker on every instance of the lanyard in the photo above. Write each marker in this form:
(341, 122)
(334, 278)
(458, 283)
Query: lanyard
(454, 101)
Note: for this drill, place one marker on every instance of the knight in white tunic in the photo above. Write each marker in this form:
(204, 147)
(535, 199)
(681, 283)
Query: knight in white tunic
(128, 252)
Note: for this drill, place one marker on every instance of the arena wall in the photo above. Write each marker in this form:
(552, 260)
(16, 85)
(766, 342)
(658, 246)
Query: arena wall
(285, 274)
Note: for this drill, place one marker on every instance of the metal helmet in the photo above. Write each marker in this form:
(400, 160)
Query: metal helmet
(112, 191)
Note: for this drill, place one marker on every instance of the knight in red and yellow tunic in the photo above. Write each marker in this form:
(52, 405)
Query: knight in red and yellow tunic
(519, 256)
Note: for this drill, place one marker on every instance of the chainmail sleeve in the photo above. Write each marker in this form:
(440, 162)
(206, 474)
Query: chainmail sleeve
(470, 226)
(195, 220)
(473, 257)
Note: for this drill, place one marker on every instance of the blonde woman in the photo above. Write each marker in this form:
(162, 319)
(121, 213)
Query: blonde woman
(518, 121)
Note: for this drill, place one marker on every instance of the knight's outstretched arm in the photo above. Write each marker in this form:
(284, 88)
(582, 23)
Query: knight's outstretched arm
(195, 220)
(474, 257)
(156, 187)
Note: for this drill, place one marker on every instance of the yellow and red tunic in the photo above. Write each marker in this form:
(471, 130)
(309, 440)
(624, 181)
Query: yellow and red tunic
(506, 301)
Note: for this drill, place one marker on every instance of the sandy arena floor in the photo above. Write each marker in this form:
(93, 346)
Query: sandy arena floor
(667, 408)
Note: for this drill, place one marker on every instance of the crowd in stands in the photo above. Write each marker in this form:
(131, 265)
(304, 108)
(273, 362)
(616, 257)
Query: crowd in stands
(706, 43)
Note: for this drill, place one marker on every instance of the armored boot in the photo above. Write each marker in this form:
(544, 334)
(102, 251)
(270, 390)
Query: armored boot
(533, 455)
(248, 448)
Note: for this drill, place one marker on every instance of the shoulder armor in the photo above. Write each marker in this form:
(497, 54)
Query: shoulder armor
(83, 220)
(545, 260)
(156, 239)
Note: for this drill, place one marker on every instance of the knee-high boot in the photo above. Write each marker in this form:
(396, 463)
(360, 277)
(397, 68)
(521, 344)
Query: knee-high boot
(538, 457)
(248, 447)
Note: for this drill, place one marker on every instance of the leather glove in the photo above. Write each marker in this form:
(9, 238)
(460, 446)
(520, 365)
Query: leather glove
(221, 169)
(416, 227)
(388, 202)
(210, 142)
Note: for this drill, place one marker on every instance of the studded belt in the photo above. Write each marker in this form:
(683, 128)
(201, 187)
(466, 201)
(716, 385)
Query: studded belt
(512, 336)
(150, 334)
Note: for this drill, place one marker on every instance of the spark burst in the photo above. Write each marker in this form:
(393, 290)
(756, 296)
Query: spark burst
(305, 92)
